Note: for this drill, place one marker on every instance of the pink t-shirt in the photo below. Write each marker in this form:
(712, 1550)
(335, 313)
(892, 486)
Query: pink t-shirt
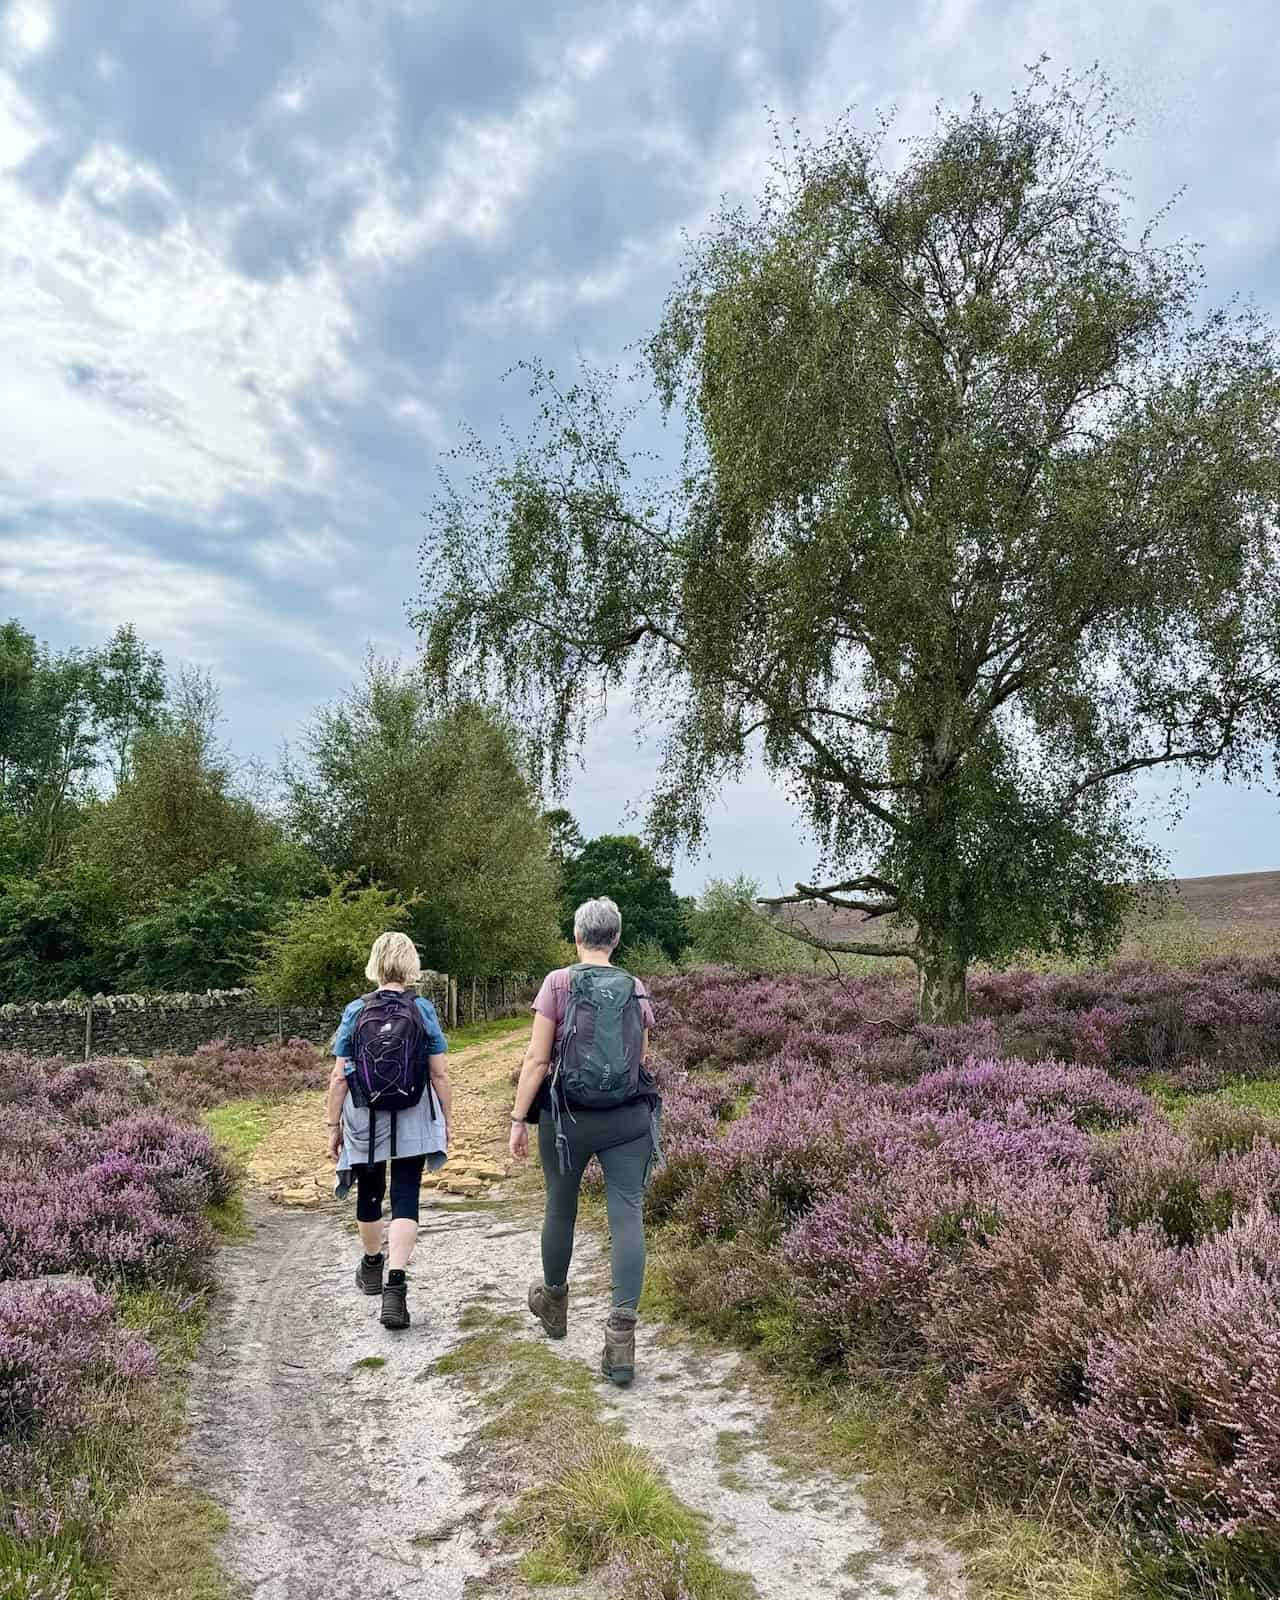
(553, 999)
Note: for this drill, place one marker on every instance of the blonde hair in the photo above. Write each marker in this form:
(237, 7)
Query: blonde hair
(393, 959)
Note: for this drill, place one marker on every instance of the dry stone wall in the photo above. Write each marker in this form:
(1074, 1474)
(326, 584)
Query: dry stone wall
(176, 1024)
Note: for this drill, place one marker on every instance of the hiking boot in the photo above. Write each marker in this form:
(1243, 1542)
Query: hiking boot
(551, 1307)
(369, 1275)
(395, 1310)
(618, 1363)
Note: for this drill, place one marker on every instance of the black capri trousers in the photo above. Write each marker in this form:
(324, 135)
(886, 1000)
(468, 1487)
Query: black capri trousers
(406, 1187)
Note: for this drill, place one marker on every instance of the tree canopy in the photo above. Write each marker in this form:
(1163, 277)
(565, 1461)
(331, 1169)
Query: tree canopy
(626, 870)
(317, 956)
(436, 805)
(975, 522)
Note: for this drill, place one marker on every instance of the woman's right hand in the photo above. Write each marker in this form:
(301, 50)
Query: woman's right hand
(335, 1142)
(519, 1141)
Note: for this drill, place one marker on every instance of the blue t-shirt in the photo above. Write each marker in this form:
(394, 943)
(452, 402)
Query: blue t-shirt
(437, 1045)
(419, 1129)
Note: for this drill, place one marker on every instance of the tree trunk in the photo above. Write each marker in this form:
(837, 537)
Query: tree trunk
(944, 993)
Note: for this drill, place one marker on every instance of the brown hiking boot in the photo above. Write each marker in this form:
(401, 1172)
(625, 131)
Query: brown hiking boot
(618, 1363)
(551, 1307)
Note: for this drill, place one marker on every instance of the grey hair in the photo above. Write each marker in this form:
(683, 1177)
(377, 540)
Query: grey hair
(597, 924)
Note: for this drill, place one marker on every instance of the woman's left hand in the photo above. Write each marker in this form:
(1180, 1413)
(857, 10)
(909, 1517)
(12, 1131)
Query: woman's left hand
(519, 1142)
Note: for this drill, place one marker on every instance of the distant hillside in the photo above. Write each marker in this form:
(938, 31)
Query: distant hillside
(1247, 901)
(1234, 898)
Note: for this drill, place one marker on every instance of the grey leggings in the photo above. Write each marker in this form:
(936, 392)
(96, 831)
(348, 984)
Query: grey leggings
(625, 1167)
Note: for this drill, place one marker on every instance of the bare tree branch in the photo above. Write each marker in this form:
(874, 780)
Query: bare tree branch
(849, 947)
(833, 896)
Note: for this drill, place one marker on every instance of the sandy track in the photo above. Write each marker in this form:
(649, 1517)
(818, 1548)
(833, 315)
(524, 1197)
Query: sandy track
(341, 1478)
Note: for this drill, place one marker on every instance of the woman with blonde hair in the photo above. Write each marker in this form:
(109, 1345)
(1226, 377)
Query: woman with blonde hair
(389, 1100)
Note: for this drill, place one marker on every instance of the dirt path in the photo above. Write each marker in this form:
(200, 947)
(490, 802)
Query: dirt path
(348, 1465)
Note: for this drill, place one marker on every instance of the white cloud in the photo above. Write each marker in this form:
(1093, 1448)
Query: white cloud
(182, 608)
(142, 369)
(30, 27)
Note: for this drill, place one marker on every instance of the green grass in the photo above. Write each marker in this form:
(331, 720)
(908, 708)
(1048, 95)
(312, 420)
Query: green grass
(239, 1127)
(606, 1504)
(371, 1363)
(484, 1032)
(1257, 1094)
(172, 1323)
(596, 1499)
(1248, 1094)
(163, 1544)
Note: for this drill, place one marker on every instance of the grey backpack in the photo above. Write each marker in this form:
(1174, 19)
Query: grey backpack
(603, 1040)
(598, 1066)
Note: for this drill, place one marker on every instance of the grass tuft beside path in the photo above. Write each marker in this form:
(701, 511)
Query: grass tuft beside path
(595, 1503)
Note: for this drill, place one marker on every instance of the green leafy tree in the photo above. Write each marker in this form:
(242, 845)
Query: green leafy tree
(438, 806)
(976, 523)
(318, 954)
(62, 750)
(564, 837)
(206, 935)
(19, 658)
(726, 928)
(175, 818)
(51, 939)
(626, 870)
(59, 713)
(487, 884)
(130, 694)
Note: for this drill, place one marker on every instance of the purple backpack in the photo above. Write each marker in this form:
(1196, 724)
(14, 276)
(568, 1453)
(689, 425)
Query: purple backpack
(389, 1049)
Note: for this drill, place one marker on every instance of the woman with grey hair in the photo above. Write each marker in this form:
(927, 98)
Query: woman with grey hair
(586, 1085)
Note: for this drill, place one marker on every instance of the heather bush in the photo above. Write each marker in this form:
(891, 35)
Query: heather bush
(68, 1371)
(1220, 1125)
(100, 1182)
(1085, 1097)
(1150, 1174)
(218, 1072)
(1013, 1319)
(93, 1183)
(1021, 1243)
(1183, 1422)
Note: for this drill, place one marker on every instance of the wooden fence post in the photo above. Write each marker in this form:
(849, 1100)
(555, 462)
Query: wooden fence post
(472, 1017)
(453, 1002)
(279, 1025)
(88, 1029)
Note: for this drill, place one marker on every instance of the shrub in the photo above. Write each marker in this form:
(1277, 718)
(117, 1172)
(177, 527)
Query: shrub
(1013, 1320)
(1183, 1423)
(221, 1071)
(1086, 1097)
(1150, 1174)
(67, 1370)
(1221, 1125)
(1025, 1248)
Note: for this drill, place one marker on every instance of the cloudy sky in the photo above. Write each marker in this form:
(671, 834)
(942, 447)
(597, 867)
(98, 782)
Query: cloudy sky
(259, 261)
